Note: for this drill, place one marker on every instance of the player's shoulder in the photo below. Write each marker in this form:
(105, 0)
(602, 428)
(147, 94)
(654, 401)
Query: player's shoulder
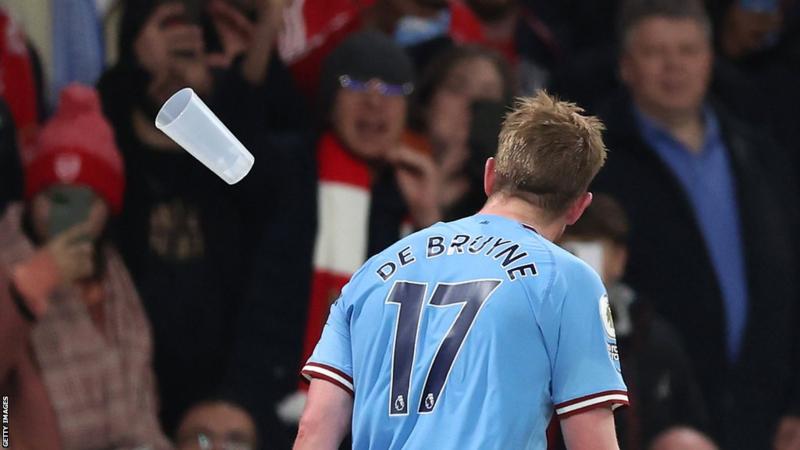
(572, 274)
(403, 252)
(420, 237)
(413, 240)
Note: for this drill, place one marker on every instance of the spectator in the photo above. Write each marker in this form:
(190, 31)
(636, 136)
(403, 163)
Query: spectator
(271, 212)
(680, 438)
(447, 96)
(256, 97)
(528, 43)
(216, 424)
(657, 370)
(256, 79)
(762, 41)
(748, 28)
(315, 27)
(181, 232)
(88, 382)
(370, 184)
(710, 243)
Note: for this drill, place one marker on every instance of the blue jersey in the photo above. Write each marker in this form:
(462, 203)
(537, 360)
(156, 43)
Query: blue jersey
(469, 335)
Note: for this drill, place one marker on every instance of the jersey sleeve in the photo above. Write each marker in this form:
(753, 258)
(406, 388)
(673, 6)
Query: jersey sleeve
(585, 365)
(332, 358)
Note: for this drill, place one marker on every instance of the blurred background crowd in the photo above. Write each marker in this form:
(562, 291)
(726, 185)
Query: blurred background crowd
(145, 304)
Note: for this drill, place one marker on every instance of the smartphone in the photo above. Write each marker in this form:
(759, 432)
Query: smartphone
(69, 206)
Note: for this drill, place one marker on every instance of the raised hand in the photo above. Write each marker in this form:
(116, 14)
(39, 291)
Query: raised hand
(241, 36)
(418, 179)
(73, 253)
(164, 36)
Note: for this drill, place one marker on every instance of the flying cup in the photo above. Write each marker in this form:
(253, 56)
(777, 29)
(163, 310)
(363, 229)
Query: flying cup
(189, 122)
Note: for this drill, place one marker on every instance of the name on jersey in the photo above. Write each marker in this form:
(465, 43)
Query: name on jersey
(507, 253)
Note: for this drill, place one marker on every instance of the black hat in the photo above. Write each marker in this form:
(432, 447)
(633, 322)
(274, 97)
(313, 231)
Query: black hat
(363, 56)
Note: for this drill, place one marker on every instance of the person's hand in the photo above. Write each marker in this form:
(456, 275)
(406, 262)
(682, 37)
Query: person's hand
(73, 253)
(270, 14)
(160, 42)
(788, 435)
(235, 32)
(745, 31)
(241, 36)
(418, 179)
(173, 52)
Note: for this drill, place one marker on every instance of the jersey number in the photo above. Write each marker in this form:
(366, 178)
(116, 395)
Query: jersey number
(409, 296)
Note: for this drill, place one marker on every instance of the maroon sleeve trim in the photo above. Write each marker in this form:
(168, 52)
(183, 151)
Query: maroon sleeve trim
(613, 398)
(328, 373)
(614, 404)
(331, 368)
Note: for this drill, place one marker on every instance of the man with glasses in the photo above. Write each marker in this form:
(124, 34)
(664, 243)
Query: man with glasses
(373, 187)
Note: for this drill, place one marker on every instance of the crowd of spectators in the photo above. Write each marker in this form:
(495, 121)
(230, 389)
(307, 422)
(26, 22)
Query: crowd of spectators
(146, 304)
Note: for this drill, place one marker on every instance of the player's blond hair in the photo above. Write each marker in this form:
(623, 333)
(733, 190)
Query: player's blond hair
(548, 152)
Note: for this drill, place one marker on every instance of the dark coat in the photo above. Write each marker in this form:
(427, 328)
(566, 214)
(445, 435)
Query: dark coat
(10, 165)
(669, 264)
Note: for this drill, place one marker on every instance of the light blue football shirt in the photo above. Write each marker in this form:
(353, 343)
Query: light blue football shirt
(469, 335)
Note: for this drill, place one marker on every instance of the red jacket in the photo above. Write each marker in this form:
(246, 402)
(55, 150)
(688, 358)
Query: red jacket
(81, 376)
(32, 421)
(315, 27)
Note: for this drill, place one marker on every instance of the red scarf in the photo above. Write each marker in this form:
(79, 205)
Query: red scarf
(342, 232)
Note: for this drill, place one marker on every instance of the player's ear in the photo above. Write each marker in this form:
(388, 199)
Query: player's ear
(488, 177)
(577, 208)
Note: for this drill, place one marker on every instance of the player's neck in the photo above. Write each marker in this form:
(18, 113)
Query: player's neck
(517, 209)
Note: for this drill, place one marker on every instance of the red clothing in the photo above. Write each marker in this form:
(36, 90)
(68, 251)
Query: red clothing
(344, 202)
(17, 81)
(32, 419)
(341, 244)
(94, 377)
(315, 27)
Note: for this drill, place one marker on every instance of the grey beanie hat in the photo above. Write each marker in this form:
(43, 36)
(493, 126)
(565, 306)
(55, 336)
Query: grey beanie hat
(363, 56)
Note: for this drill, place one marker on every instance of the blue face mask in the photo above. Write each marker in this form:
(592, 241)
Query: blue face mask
(412, 30)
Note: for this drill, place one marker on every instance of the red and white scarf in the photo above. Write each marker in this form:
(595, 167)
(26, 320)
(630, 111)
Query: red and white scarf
(340, 248)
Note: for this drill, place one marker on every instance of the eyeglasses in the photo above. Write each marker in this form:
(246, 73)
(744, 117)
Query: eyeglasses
(386, 89)
(209, 441)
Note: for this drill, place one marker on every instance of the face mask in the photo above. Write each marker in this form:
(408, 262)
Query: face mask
(412, 30)
(620, 296)
(591, 252)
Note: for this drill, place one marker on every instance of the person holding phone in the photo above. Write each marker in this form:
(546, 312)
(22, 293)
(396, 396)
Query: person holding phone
(65, 294)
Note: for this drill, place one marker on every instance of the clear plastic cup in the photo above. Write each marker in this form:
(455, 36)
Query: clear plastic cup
(190, 123)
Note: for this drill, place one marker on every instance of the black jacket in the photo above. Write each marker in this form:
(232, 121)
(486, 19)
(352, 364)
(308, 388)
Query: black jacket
(10, 165)
(670, 265)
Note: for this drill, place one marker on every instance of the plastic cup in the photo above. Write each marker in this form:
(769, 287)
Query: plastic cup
(191, 124)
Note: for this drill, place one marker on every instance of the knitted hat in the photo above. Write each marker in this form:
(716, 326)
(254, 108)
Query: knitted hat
(363, 56)
(76, 146)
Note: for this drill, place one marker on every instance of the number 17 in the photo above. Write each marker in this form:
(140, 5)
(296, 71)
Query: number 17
(409, 297)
